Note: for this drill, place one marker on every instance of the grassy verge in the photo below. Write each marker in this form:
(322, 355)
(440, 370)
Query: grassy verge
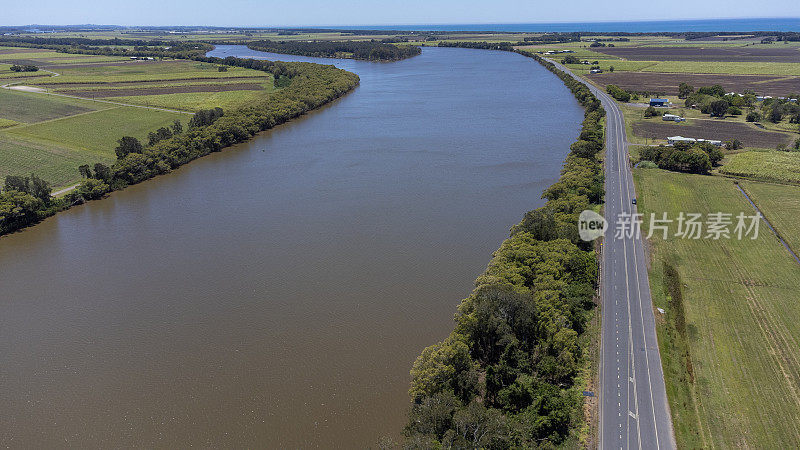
(730, 334)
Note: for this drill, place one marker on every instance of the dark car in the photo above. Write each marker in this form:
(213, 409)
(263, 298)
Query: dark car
(633, 201)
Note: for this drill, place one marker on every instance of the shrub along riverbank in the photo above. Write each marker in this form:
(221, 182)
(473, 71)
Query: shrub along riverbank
(307, 86)
(509, 373)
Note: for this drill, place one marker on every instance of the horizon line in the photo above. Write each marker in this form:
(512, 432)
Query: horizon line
(331, 26)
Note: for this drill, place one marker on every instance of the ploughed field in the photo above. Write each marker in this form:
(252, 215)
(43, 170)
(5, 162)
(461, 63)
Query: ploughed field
(748, 134)
(668, 82)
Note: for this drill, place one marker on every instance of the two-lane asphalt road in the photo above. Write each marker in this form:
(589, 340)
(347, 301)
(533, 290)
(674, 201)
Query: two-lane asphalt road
(634, 412)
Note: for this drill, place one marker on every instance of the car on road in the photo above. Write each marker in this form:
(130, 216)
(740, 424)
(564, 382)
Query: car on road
(633, 201)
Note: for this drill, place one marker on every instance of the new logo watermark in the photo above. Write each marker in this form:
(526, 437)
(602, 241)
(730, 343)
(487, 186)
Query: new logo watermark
(713, 226)
(591, 225)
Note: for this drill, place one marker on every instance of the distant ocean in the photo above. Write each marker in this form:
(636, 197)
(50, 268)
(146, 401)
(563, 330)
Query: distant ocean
(775, 24)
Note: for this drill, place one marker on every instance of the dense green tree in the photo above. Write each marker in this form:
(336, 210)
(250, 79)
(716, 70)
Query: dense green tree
(177, 127)
(91, 189)
(618, 93)
(446, 366)
(127, 145)
(714, 91)
(40, 188)
(85, 171)
(102, 172)
(16, 183)
(776, 114)
(685, 90)
(753, 116)
(719, 108)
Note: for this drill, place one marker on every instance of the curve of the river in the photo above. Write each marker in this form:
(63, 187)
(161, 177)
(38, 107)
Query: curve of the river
(276, 294)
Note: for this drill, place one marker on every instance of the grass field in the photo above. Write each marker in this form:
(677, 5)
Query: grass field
(730, 337)
(31, 108)
(146, 71)
(55, 163)
(97, 131)
(51, 135)
(732, 68)
(195, 100)
(781, 206)
(777, 166)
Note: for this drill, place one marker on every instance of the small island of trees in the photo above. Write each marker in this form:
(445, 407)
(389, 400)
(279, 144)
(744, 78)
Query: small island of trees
(367, 50)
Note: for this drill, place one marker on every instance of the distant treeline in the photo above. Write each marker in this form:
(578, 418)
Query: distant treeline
(553, 38)
(508, 376)
(735, 35)
(507, 46)
(25, 201)
(367, 50)
(112, 47)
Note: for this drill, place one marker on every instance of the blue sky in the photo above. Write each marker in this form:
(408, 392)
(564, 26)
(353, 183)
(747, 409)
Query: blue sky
(379, 12)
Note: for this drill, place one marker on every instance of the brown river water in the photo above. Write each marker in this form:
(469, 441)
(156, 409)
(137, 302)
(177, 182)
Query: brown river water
(277, 293)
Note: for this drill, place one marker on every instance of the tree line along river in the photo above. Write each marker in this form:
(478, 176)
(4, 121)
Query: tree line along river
(277, 293)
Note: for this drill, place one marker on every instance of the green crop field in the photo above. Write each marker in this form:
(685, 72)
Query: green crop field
(5, 123)
(773, 165)
(52, 135)
(607, 64)
(730, 336)
(781, 206)
(98, 131)
(54, 163)
(146, 71)
(32, 107)
(195, 100)
(733, 68)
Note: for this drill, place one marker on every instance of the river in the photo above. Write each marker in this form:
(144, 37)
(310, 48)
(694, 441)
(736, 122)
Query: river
(277, 293)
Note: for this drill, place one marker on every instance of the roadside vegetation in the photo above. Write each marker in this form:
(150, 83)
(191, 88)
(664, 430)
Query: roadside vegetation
(510, 373)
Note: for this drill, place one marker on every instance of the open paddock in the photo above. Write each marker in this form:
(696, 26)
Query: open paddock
(722, 130)
(31, 108)
(55, 163)
(98, 131)
(772, 166)
(731, 328)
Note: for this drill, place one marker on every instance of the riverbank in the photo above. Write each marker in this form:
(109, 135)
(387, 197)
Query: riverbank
(305, 87)
(277, 293)
(519, 356)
